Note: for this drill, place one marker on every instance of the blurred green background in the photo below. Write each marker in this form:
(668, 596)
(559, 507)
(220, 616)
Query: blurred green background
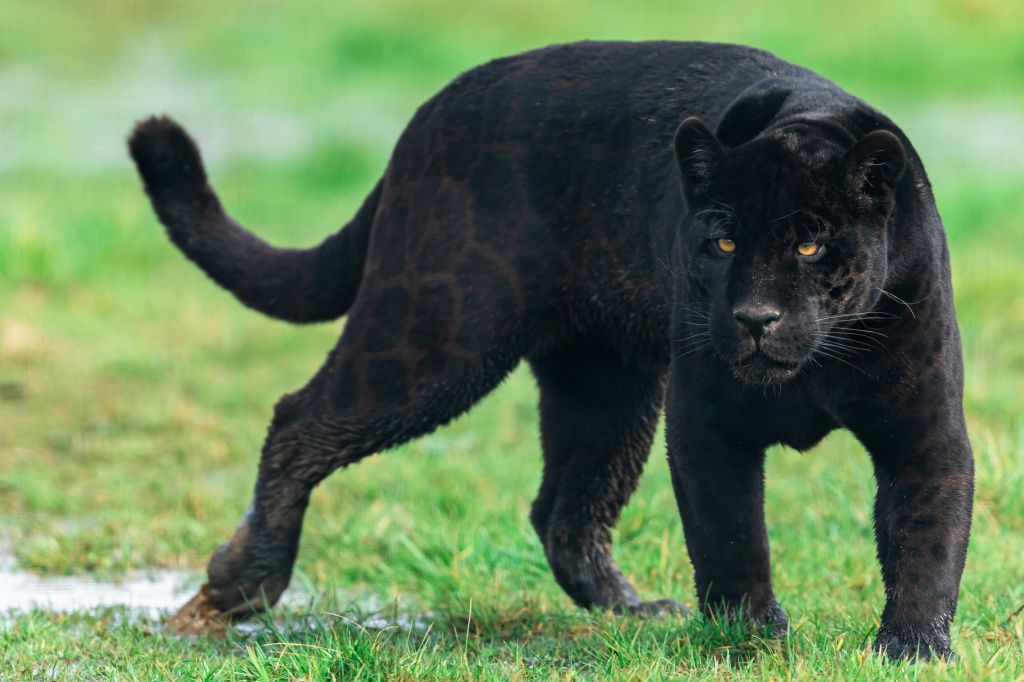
(134, 393)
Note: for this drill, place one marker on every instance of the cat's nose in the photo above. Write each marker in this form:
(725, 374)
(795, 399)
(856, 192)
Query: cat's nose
(756, 321)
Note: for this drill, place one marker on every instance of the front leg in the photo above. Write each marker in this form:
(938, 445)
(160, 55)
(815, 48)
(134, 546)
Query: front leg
(719, 485)
(925, 474)
(598, 417)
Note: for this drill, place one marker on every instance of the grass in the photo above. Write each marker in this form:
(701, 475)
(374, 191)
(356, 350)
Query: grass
(134, 394)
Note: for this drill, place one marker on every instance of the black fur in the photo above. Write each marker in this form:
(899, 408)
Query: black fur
(573, 206)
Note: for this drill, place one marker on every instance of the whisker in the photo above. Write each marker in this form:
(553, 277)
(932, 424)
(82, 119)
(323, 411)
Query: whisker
(843, 343)
(693, 336)
(828, 355)
(843, 352)
(862, 345)
(901, 301)
(694, 351)
(871, 341)
(854, 330)
(727, 206)
(855, 333)
(860, 314)
(670, 270)
(867, 315)
(898, 300)
(715, 232)
(695, 312)
(696, 335)
(783, 217)
(713, 211)
(818, 224)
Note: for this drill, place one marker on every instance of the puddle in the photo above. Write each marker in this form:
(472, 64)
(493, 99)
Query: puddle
(149, 593)
(155, 593)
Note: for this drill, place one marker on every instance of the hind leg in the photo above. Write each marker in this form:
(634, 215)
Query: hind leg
(598, 418)
(359, 403)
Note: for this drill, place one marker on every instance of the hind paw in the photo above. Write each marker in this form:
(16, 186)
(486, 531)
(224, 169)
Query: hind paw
(910, 647)
(658, 609)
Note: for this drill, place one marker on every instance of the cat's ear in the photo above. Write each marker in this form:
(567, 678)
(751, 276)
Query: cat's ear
(871, 170)
(698, 151)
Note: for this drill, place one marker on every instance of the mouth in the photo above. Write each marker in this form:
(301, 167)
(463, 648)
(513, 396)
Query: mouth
(758, 369)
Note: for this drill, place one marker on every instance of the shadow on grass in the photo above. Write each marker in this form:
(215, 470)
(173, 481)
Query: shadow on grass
(504, 641)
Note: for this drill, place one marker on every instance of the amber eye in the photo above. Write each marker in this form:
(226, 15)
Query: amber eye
(727, 245)
(808, 249)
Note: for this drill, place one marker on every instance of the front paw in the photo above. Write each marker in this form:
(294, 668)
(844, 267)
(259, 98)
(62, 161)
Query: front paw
(254, 591)
(246, 576)
(764, 617)
(908, 644)
(198, 617)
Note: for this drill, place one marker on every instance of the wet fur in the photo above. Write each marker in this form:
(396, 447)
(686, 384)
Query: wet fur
(551, 206)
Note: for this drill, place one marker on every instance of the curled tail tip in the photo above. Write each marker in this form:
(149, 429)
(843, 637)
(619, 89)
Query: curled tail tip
(165, 155)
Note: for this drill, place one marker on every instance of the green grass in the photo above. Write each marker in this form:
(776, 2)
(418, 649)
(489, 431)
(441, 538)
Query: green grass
(467, 644)
(134, 394)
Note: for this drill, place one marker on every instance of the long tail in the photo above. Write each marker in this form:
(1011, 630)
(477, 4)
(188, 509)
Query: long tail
(297, 285)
